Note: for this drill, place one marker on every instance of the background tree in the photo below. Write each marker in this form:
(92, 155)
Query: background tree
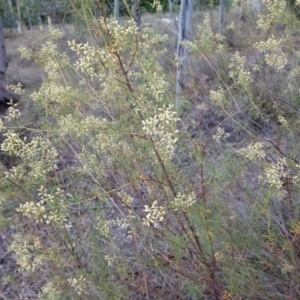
(19, 16)
(116, 9)
(11, 11)
(5, 94)
(184, 34)
(222, 16)
(136, 12)
(6, 12)
(257, 6)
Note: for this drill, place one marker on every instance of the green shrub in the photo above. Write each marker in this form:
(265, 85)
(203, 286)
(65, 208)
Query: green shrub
(119, 196)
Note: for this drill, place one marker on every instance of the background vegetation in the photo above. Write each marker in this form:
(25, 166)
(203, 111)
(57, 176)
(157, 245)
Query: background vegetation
(108, 192)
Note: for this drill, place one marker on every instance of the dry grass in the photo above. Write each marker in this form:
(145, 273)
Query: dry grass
(20, 70)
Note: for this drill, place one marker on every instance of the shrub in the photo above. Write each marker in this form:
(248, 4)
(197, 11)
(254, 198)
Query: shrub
(120, 196)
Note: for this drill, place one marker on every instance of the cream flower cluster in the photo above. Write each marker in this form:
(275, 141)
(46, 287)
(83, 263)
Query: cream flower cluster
(28, 252)
(283, 121)
(127, 199)
(154, 214)
(162, 129)
(79, 284)
(52, 60)
(157, 5)
(156, 85)
(286, 267)
(253, 152)
(183, 202)
(207, 35)
(85, 128)
(17, 88)
(90, 58)
(208, 42)
(149, 38)
(33, 210)
(95, 61)
(220, 135)
(276, 9)
(38, 154)
(14, 113)
(275, 6)
(274, 56)
(53, 92)
(237, 71)
(103, 226)
(273, 175)
(50, 291)
(50, 209)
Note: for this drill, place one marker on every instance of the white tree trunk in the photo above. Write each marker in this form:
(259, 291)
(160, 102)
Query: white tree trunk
(5, 94)
(135, 12)
(3, 57)
(256, 6)
(175, 20)
(49, 21)
(222, 16)
(116, 9)
(19, 27)
(11, 12)
(171, 6)
(10, 7)
(184, 33)
(19, 22)
(29, 17)
(41, 26)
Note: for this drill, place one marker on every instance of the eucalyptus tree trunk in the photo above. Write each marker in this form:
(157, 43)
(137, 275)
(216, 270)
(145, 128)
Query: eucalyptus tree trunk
(222, 16)
(256, 6)
(136, 14)
(5, 94)
(41, 26)
(12, 15)
(49, 21)
(10, 7)
(3, 57)
(19, 21)
(172, 14)
(29, 17)
(184, 34)
(171, 6)
(116, 9)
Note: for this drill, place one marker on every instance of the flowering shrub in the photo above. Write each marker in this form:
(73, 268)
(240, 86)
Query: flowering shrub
(115, 197)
